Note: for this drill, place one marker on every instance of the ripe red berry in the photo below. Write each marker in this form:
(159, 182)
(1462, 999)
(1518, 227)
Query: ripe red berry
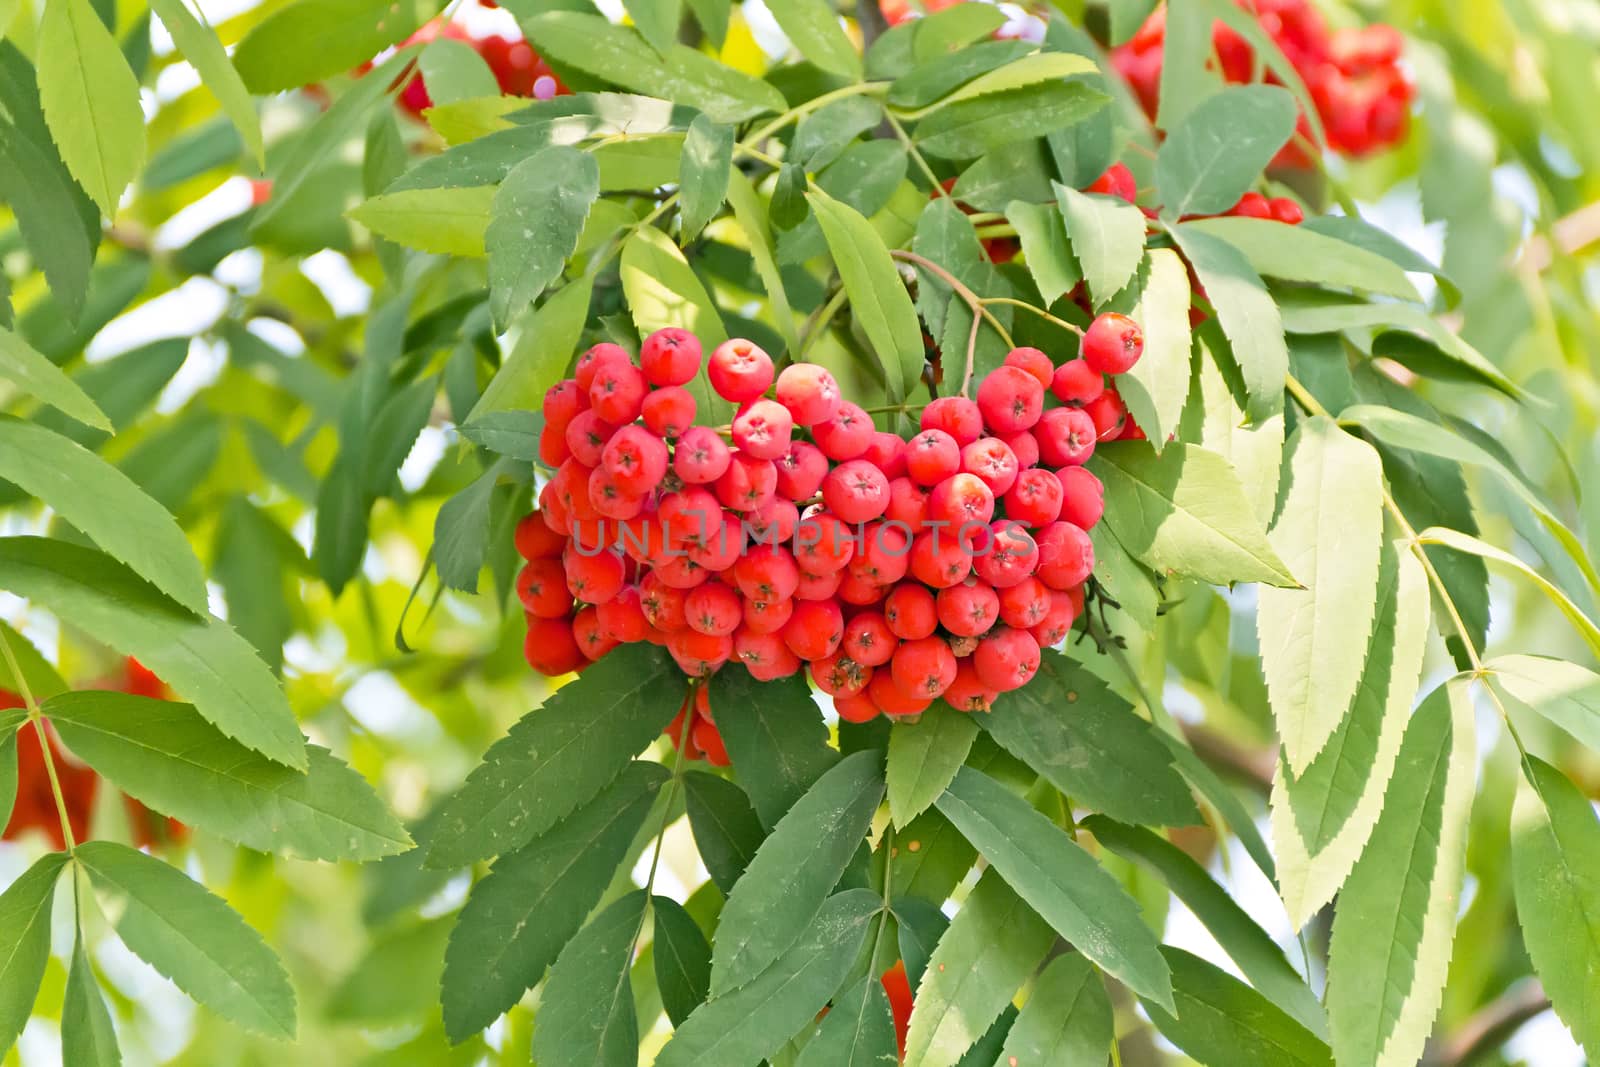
(1026, 604)
(1076, 383)
(670, 357)
(774, 522)
(765, 655)
(611, 499)
(636, 459)
(739, 370)
(1109, 415)
(542, 588)
(1025, 447)
(768, 572)
(622, 618)
(910, 611)
(767, 616)
(587, 435)
(923, 668)
(968, 609)
(1006, 556)
(818, 586)
(887, 452)
(823, 544)
(1035, 498)
(891, 699)
(713, 608)
(956, 416)
(1251, 205)
(960, 499)
(662, 605)
(699, 655)
(1010, 399)
(815, 629)
(1007, 659)
(590, 363)
(801, 470)
(701, 456)
(1066, 555)
(856, 491)
(1113, 343)
(709, 741)
(883, 555)
(1118, 182)
(932, 456)
(669, 412)
(763, 429)
(550, 647)
(809, 392)
(847, 435)
(1083, 497)
(594, 579)
(868, 639)
(535, 539)
(1057, 622)
(840, 676)
(748, 483)
(939, 559)
(1034, 362)
(856, 709)
(967, 692)
(908, 503)
(592, 639)
(1066, 437)
(992, 462)
(617, 392)
(563, 401)
(1286, 210)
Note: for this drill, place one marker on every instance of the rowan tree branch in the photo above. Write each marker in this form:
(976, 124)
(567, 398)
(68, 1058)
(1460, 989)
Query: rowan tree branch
(1490, 1026)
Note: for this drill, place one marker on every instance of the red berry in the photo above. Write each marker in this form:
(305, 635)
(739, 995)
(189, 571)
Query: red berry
(1118, 182)
(767, 616)
(670, 356)
(767, 573)
(662, 605)
(868, 639)
(923, 668)
(591, 637)
(774, 522)
(1286, 210)
(1010, 399)
(809, 392)
(610, 499)
(721, 549)
(709, 741)
(956, 416)
(563, 401)
(542, 588)
(763, 429)
(932, 456)
(617, 392)
(939, 559)
(855, 709)
(590, 363)
(550, 647)
(713, 608)
(1251, 205)
(1083, 497)
(1109, 415)
(701, 456)
(1025, 447)
(1006, 556)
(1057, 622)
(1034, 362)
(840, 676)
(959, 500)
(856, 491)
(967, 692)
(891, 699)
(884, 554)
(908, 503)
(594, 579)
(819, 586)
(1076, 383)
(910, 611)
(690, 515)
(1026, 604)
(1066, 437)
(622, 618)
(801, 470)
(764, 654)
(748, 483)
(1035, 498)
(669, 412)
(887, 452)
(587, 435)
(1066, 555)
(845, 436)
(636, 459)
(535, 539)
(1113, 343)
(968, 609)
(992, 462)
(739, 370)
(815, 629)
(823, 544)
(698, 654)
(1007, 659)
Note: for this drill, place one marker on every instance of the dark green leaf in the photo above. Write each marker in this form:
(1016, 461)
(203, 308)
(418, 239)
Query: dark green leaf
(1059, 880)
(311, 40)
(538, 213)
(813, 28)
(1248, 315)
(794, 870)
(1067, 1018)
(703, 174)
(586, 1014)
(91, 101)
(535, 899)
(251, 558)
(1221, 147)
(453, 70)
(942, 75)
(857, 1032)
(1045, 247)
(1301, 255)
(775, 737)
(192, 937)
(25, 942)
(165, 755)
(553, 759)
(204, 51)
(924, 756)
(87, 1036)
(725, 826)
(821, 135)
(38, 377)
(1220, 1020)
(461, 532)
(541, 353)
(682, 958)
(657, 21)
(968, 129)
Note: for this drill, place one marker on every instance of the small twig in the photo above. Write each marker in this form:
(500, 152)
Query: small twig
(1491, 1025)
(1041, 312)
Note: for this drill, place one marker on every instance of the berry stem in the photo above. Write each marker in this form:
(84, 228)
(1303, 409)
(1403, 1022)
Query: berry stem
(973, 301)
(1043, 314)
(917, 156)
(36, 720)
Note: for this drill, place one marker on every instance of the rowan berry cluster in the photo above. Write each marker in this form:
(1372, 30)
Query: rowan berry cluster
(1361, 94)
(800, 536)
(517, 68)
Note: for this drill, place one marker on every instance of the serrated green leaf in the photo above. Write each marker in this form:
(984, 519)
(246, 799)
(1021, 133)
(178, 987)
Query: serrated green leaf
(703, 174)
(1067, 1018)
(544, 346)
(1321, 819)
(165, 755)
(250, 561)
(793, 871)
(1187, 77)
(397, 977)
(1392, 934)
(586, 1014)
(682, 959)
(1157, 386)
(813, 28)
(38, 377)
(1045, 248)
(8, 773)
(1247, 25)
(203, 660)
(951, 30)
(1059, 880)
(537, 215)
(453, 70)
(968, 129)
(1249, 318)
(25, 942)
(1107, 236)
(1041, 67)
(91, 101)
(1329, 532)
(87, 1036)
(1555, 858)
(553, 759)
(752, 1022)
(878, 297)
(1185, 512)
(939, 77)
(1564, 693)
(857, 1032)
(993, 944)
(1017, 172)
(105, 504)
(924, 756)
(514, 434)
(663, 290)
(1212, 157)
(775, 735)
(310, 40)
(1070, 727)
(200, 46)
(461, 532)
(822, 134)
(752, 217)
(192, 937)
(1256, 452)
(725, 827)
(1220, 1020)
(1249, 946)
(1301, 255)
(535, 899)
(449, 222)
